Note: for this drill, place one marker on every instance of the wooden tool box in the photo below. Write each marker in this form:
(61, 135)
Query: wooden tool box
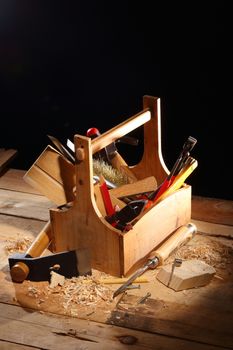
(80, 224)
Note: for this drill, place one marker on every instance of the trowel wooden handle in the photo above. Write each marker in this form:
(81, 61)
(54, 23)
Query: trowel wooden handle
(180, 237)
(19, 271)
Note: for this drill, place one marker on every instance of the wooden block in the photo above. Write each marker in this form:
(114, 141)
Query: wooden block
(148, 184)
(191, 274)
(117, 202)
(53, 176)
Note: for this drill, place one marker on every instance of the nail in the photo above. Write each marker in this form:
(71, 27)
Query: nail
(176, 263)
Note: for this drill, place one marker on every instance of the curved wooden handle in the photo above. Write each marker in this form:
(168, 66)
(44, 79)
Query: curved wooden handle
(180, 237)
(20, 270)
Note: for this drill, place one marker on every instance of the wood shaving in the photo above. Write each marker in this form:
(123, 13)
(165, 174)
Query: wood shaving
(212, 252)
(19, 245)
(33, 291)
(78, 291)
(56, 279)
(82, 291)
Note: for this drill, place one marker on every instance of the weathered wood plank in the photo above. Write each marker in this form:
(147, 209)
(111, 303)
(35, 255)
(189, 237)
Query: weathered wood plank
(25, 205)
(13, 180)
(48, 331)
(213, 210)
(6, 156)
(198, 322)
(168, 316)
(202, 315)
(12, 229)
(212, 229)
(187, 321)
(5, 345)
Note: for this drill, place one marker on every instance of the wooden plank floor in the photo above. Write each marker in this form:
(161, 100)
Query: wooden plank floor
(199, 318)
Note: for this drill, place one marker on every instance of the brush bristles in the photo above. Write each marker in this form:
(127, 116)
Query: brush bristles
(100, 167)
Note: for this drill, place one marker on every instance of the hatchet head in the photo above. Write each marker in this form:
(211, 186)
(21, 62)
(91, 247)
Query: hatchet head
(70, 264)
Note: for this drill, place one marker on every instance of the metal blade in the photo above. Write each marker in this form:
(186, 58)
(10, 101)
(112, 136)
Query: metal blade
(61, 148)
(130, 280)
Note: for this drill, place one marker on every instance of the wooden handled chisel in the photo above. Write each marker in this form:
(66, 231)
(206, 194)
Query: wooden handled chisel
(158, 256)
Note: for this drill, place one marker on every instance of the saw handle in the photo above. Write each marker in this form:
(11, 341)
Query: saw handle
(182, 235)
(19, 271)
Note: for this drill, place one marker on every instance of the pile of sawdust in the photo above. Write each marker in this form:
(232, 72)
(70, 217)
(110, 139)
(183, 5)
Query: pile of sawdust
(77, 295)
(19, 245)
(82, 291)
(211, 252)
(85, 291)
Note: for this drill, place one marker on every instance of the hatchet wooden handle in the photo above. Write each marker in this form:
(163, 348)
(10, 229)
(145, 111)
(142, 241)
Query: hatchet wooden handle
(41, 242)
(19, 271)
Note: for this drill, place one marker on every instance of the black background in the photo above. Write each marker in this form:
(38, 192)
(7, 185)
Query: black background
(70, 65)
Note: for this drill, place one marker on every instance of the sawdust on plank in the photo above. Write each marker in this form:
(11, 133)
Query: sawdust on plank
(84, 290)
(75, 295)
(211, 251)
(18, 245)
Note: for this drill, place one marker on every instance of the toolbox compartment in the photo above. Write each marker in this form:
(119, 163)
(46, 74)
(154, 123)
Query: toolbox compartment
(81, 224)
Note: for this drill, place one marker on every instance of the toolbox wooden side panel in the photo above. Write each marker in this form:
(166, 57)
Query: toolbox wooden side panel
(155, 226)
(114, 252)
(88, 231)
